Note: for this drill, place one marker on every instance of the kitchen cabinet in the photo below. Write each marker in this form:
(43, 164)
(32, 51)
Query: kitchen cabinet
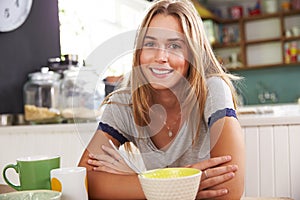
(272, 160)
(272, 139)
(260, 41)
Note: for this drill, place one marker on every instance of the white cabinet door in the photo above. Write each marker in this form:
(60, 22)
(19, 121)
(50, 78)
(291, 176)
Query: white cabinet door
(272, 161)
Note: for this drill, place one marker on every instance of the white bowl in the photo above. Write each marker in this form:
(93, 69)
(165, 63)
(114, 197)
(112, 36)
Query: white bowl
(32, 195)
(170, 183)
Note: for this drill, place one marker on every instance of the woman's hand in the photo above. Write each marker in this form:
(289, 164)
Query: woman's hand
(213, 175)
(111, 162)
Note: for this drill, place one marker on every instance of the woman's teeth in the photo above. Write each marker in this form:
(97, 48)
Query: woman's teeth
(161, 71)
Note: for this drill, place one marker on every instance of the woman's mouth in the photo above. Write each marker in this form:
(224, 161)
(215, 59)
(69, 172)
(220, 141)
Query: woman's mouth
(160, 71)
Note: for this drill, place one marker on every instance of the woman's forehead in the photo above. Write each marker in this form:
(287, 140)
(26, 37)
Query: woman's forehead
(163, 34)
(165, 25)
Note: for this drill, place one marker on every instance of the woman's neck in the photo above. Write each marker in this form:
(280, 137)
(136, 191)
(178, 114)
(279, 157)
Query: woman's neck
(166, 98)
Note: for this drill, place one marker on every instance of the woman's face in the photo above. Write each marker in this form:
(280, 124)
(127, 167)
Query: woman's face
(164, 52)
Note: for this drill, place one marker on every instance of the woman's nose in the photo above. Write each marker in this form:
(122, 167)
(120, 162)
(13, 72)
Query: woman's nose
(161, 55)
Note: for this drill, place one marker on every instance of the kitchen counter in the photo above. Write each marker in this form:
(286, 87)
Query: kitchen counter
(263, 115)
(7, 189)
(75, 128)
(277, 114)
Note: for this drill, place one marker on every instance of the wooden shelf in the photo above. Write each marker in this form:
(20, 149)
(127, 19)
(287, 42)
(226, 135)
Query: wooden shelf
(228, 21)
(243, 45)
(257, 17)
(296, 64)
(226, 45)
(293, 38)
(292, 12)
(263, 41)
(261, 17)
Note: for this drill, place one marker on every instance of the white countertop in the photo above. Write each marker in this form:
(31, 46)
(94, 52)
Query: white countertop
(277, 114)
(51, 128)
(256, 115)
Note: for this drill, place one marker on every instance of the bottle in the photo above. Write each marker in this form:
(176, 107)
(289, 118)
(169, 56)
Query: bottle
(294, 51)
(41, 97)
(287, 55)
(298, 52)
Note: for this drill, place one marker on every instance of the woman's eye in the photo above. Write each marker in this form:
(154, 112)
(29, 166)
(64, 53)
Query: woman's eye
(174, 46)
(149, 44)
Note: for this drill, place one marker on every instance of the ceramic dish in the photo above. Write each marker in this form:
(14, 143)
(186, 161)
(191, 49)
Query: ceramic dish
(170, 183)
(32, 195)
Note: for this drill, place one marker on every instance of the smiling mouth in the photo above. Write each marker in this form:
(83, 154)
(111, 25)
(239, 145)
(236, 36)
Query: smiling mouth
(161, 71)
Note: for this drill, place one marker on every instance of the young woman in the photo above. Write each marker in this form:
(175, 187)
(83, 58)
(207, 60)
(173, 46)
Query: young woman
(177, 108)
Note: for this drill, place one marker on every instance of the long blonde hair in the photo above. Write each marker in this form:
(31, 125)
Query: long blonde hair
(203, 62)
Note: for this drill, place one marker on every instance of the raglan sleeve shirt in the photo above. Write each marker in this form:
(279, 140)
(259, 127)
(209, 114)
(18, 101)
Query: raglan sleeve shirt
(219, 102)
(117, 118)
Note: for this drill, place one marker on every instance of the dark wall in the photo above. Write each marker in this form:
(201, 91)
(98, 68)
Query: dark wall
(25, 50)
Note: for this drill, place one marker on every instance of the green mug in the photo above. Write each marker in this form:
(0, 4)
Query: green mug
(33, 171)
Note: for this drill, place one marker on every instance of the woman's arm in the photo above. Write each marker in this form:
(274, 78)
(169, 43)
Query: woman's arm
(104, 185)
(227, 139)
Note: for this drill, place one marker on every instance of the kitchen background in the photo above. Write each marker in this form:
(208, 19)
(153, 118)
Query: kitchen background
(80, 27)
(60, 27)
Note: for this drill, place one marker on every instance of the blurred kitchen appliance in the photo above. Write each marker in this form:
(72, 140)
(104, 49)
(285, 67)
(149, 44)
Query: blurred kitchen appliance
(63, 63)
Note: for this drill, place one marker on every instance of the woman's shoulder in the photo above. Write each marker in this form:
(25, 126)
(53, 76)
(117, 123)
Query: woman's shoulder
(219, 93)
(216, 82)
(122, 95)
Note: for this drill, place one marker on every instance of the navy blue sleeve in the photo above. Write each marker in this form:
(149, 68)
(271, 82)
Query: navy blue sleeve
(220, 114)
(112, 132)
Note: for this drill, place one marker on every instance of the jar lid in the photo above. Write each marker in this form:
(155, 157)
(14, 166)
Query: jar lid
(45, 74)
(71, 72)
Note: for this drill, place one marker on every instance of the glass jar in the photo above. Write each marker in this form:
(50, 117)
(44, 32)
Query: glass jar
(81, 94)
(41, 97)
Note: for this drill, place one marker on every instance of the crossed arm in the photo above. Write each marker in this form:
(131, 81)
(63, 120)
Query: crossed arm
(224, 177)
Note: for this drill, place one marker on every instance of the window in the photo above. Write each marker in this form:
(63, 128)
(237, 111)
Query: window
(84, 25)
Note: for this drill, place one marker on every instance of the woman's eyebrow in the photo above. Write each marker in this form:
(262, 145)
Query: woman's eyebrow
(169, 39)
(176, 39)
(150, 37)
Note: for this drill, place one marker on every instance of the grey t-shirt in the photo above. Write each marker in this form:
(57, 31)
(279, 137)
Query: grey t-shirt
(117, 120)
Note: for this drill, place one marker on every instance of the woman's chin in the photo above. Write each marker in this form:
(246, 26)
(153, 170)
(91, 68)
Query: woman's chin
(160, 86)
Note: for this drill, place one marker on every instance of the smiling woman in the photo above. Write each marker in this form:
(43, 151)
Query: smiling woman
(177, 108)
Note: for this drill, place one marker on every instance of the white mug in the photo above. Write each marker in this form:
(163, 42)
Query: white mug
(71, 182)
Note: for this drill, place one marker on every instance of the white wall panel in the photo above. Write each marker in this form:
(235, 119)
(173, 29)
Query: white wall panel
(273, 161)
(266, 150)
(281, 162)
(252, 162)
(295, 160)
